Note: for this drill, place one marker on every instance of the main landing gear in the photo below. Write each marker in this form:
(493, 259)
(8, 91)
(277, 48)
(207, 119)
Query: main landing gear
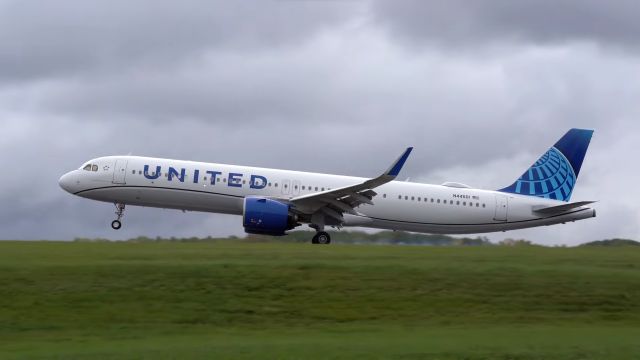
(321, 236)
(116, 224)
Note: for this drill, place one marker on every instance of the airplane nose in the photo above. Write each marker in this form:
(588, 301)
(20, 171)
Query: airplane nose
(66, 181)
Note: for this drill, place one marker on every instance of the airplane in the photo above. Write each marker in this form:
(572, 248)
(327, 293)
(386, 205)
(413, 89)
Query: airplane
(273, 201)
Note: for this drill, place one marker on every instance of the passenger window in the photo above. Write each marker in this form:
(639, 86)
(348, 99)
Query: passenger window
(384, 196)
(399, 197)
(87, 168)
(419, 198)
(438, 201)
(133, 172)
(269, 184)
(484, 205)
(406, 197)
(464, 203)
(316, 188)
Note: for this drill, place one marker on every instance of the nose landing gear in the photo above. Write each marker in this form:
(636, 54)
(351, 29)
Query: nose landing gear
(116, 224)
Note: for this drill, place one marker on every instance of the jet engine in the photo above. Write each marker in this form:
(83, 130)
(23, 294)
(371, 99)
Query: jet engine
(267, 217)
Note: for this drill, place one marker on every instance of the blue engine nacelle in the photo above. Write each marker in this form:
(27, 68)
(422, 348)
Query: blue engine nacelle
(266, 216)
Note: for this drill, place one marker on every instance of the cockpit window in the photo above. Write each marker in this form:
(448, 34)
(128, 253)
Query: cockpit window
(94, 167)
(87, 167)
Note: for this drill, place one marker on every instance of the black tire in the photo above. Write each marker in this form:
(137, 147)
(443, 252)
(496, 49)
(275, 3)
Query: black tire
(116, 224)
(322, 238)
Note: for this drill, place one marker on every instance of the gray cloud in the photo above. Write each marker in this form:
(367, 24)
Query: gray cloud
(68, 38)
(464, 24)
(311, 86)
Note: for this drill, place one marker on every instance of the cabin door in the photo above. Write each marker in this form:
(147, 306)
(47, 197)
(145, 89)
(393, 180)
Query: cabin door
(502, 208)
(120, 171)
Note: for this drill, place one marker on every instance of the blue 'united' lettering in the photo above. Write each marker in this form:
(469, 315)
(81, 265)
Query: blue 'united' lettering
(258, 182)
(213, 176)
(173, 172)
(155, 175)
(233, 179)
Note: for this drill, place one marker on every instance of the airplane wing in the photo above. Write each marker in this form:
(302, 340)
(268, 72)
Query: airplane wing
(333, 203)
(551, 210)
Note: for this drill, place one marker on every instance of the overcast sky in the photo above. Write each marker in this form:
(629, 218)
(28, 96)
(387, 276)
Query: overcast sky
(479, 88)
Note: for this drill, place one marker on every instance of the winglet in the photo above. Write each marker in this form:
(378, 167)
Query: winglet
(394, 170)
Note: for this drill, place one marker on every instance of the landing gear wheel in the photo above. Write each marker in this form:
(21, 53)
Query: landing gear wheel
(115, 224)
(322, 238)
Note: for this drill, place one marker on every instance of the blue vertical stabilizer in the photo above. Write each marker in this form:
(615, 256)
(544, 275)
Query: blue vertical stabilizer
(554, 175)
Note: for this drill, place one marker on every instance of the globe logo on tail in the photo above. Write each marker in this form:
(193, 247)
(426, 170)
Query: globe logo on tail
(551, 177)
(554, 175)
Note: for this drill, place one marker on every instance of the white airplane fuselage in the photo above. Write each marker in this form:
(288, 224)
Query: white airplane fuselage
(398, 205)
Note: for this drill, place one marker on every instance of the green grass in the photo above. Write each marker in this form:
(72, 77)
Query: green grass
(241, 300)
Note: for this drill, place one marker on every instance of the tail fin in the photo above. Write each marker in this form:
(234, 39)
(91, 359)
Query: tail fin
(554, 175)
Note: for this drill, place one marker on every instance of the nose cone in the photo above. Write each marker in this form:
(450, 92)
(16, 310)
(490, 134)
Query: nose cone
(67, 181)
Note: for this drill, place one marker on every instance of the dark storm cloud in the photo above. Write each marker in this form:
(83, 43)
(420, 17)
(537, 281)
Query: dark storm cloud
(469, 24)
(42, 39)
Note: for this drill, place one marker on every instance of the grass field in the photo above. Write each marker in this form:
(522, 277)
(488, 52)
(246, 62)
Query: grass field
(241, 300)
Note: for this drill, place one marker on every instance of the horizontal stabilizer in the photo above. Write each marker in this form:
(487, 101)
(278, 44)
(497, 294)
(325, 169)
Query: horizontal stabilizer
(560, 208)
